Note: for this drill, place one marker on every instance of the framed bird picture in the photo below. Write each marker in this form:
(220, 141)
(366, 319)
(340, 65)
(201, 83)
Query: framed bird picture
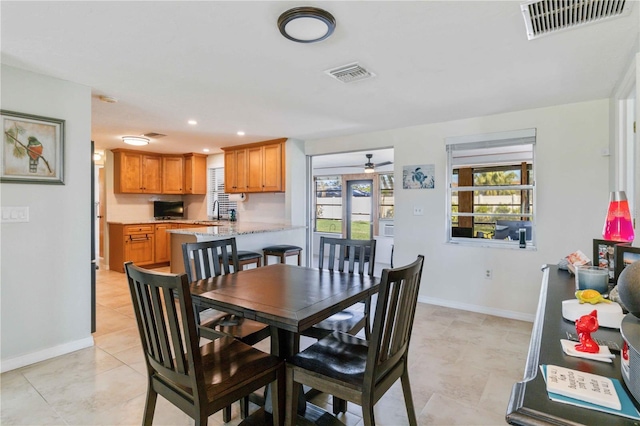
(33, 149)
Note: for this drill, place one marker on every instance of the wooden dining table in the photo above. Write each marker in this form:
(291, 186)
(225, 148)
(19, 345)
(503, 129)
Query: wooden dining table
(289, 298)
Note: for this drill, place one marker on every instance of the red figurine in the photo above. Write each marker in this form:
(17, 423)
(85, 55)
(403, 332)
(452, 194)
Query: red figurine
(585, 325)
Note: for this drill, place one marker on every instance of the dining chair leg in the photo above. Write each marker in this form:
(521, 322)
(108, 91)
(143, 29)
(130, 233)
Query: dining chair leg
(292, 389)
(278, 398)
(339, 405)
(244, 407)
(408, 400)
(226, 414)
(367, 413)
(150, 406)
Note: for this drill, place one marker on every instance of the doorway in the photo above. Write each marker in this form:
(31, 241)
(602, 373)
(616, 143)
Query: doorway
(359, 212)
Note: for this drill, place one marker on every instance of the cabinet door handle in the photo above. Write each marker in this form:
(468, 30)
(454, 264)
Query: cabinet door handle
(146, 237)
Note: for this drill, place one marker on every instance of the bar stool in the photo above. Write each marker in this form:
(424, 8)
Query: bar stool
(282, 251)
(248, 258)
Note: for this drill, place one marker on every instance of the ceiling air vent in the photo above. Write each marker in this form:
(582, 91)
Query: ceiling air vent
(549, 16)
(154, 135)
(350, 73)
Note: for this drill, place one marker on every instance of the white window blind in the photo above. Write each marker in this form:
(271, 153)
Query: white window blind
(216, 192)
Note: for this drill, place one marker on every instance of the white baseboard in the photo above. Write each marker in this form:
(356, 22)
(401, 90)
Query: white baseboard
(477, 308)
(32, 358)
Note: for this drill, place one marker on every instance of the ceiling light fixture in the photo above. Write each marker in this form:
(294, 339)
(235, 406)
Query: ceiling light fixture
(192, 122)
(240, 133)
(306, 24)
(205, 149)
(369, 166)
(135, 140)
(97, 156)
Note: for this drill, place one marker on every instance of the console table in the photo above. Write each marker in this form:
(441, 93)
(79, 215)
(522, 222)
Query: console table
(529, 403)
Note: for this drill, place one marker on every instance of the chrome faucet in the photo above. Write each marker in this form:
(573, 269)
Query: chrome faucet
(216, 204)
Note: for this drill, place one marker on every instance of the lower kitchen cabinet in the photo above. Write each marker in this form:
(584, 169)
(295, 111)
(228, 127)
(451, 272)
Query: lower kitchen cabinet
(163, 242)
(133, 243)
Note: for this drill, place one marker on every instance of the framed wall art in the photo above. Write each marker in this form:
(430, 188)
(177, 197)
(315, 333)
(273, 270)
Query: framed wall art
(604, 255)
(418, 177)
(625, 256)
(33, 148)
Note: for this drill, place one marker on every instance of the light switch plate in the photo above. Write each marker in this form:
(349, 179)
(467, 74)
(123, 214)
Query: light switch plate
(15, 214)
(418, 211)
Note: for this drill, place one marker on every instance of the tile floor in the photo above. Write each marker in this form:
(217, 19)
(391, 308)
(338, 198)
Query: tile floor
(462, 368)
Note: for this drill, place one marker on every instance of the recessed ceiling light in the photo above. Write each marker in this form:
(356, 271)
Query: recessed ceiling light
(192, 122)
(205, 149)
(135, 140)
(240, 133)
(306, 24)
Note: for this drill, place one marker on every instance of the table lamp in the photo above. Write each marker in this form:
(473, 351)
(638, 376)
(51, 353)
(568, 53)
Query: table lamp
(618, 225)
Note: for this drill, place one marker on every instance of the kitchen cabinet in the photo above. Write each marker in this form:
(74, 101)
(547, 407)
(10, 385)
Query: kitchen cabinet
(133, 243)
(163, 242)
(136, 172)
(195, 174)
(235, 171)
(172, 174)
(257, 167)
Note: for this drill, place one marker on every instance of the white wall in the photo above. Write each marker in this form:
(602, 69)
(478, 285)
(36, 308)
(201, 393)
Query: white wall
(45, 264)
(572, 194)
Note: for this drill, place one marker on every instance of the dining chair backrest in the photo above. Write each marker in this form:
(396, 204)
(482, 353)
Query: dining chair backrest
(166, 322)
(393, 320)
(347, 253)
(210, 258)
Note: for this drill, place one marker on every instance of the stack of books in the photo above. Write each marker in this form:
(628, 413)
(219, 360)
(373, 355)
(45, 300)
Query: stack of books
(588, 391)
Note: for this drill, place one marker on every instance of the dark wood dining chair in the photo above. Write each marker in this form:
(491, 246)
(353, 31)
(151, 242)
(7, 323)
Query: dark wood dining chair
(211, 259)
(346, 255)
(358, 370)
(198, 380)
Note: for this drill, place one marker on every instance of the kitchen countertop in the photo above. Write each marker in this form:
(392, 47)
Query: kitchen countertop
(226, 228)
(157, 221)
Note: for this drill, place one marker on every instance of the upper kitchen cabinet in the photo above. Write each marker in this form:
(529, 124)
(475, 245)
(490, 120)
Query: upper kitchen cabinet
(257, 167)
(172, 174)
(136, 172)
(235, 171)
(195, 174)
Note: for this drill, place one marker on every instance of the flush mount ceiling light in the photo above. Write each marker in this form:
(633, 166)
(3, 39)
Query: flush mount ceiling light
(306, 24)
(135, 140)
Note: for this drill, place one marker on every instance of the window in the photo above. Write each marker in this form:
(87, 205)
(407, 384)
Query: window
(216, 192)
(491, 188)
(386, 196)
(328, 191)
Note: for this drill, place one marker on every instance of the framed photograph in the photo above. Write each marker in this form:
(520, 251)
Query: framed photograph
(604, 255)
(33, 149)
(625, 255)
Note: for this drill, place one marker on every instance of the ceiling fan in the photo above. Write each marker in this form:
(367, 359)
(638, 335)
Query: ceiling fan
(369, 167)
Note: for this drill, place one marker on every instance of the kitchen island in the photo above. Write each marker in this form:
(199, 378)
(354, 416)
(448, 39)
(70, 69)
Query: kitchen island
(252, 236)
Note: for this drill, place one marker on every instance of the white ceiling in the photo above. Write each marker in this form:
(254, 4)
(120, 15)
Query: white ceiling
(226, 65)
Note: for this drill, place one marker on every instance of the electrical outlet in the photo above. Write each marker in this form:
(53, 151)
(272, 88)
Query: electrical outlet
(418, 211)
(488, 274)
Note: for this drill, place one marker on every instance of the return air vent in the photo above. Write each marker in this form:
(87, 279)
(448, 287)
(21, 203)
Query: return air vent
(154, 135)
(350, 73)
(543, 17)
